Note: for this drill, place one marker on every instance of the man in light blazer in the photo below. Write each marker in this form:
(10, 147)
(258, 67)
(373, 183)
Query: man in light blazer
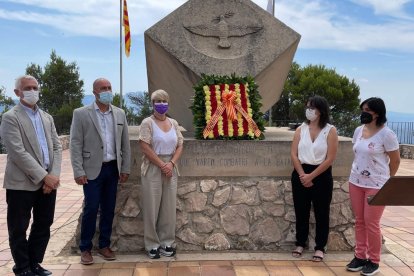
(31, 177)
(100, 155)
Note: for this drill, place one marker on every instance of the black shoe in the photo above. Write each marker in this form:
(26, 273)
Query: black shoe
(154, 253)
(168, 251)
(24, 272)
(40, 271)
(356, 264)
(370, 269)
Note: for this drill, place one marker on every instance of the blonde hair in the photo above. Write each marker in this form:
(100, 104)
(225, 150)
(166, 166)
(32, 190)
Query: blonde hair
(160, 95)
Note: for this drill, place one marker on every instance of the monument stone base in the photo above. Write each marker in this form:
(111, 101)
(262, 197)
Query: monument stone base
(235, 195)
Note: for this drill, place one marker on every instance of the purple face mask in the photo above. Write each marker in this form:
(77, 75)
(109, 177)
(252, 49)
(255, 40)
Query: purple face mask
(161, 108)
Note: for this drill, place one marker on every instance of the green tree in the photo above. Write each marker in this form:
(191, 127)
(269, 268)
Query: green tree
(142, 103)
(36, 71)
(6, 103)
(132, 118)
(61, 89)
(281, 113)
(302, 83)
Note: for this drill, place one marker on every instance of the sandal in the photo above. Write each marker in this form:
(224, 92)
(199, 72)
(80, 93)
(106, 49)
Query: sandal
(318, 256)
(297, 253)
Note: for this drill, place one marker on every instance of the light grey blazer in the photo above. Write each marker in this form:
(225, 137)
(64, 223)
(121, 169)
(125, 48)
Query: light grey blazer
(86, 142)
(24, 168)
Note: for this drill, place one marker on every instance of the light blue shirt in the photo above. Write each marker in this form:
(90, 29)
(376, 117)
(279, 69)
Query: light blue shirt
(34, 116)
(106, 122)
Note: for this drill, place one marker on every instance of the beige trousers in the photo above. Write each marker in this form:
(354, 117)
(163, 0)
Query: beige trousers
(159, 206)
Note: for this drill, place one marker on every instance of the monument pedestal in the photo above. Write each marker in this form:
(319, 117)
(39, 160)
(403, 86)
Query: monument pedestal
(235, 195)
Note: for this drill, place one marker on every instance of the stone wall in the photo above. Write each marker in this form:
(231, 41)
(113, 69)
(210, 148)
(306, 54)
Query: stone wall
(234, 195)
(64, 140)
(243, 213)
(407, 151)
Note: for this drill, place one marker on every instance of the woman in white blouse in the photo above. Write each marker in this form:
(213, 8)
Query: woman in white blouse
(161, 143)
(313, 151)
(377, 157)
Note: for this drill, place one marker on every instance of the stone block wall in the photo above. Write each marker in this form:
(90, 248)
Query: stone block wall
(234, 196)
(407, 151)
(232, 214)
(64, 140)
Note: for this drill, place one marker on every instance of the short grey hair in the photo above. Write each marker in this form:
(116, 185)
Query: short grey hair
(19, 80)
(159, 95)
(95, 83)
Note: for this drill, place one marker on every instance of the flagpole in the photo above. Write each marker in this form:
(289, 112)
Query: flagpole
(120, 51)
(271, 108)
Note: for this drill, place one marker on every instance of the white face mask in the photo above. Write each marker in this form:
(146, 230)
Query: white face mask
(31, 97)
(311, 114)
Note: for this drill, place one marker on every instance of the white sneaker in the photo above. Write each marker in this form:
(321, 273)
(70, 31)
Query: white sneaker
(168, 251)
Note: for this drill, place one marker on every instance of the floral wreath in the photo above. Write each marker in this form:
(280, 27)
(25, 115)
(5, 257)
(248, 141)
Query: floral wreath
(227, 108)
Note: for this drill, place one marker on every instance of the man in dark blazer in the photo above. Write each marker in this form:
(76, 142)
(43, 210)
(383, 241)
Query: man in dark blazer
(100, 155)
(31, 177)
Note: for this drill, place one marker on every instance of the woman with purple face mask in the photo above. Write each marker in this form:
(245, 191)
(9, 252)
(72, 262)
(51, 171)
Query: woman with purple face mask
(161, 143)
(313, 151)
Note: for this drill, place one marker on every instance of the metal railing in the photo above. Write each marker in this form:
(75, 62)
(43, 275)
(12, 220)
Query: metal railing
(404, 131)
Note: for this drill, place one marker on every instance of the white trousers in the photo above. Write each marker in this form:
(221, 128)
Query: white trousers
(159, 196)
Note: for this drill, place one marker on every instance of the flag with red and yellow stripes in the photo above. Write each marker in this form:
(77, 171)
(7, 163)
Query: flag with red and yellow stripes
(126, 30)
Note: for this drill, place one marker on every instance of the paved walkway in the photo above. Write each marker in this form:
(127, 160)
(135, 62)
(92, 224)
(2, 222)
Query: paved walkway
(397, 259)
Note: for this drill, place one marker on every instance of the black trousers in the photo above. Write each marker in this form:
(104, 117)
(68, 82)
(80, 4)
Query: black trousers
(320, 196)
(20, 204)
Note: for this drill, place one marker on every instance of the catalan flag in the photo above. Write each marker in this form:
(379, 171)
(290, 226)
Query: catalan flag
(126, 30)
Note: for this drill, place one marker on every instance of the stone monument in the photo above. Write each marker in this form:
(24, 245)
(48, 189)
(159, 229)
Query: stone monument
(235, 195)
(217, 37)
(231, 194)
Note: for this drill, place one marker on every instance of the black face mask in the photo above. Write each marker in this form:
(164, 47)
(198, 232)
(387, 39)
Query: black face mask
(366, 118)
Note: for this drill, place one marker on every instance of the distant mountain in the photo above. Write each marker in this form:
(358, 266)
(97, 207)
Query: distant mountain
(399, 117)
(88, 99)
(2, 107)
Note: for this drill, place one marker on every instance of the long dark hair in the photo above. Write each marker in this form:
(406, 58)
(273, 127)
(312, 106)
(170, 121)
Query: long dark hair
(378, 106)
(321, 104)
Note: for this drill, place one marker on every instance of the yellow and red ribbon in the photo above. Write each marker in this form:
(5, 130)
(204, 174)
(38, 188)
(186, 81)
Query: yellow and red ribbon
(229, 101)
(229, 104)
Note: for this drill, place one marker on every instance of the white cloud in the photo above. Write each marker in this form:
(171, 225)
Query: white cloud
(386, 7)
(359, 36)
(89, 17)
(362, 80)
(321, 25)
(101, 7)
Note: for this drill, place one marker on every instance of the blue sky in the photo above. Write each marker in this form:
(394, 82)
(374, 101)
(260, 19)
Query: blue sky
(370, 41)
